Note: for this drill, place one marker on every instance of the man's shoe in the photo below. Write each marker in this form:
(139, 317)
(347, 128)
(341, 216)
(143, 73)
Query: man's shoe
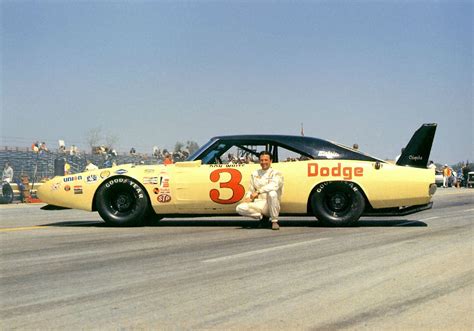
(275, 226)
(264, 222)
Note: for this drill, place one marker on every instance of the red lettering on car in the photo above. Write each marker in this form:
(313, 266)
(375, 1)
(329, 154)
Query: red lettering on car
(338, 171)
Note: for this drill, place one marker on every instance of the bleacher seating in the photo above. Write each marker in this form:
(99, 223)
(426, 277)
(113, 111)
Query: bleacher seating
(41, 165)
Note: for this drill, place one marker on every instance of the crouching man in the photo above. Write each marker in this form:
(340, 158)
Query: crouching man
(264, 195)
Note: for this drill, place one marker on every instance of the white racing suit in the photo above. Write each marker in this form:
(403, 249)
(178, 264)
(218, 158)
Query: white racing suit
(269, 186)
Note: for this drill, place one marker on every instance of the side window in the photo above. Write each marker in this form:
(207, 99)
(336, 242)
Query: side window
(286, 155)
(243, 154)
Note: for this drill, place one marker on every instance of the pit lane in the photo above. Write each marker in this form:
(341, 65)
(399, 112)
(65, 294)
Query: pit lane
(66, 269)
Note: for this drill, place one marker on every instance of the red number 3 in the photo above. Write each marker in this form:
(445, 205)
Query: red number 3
(238, 191)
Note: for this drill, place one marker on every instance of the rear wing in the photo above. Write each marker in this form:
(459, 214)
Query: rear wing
(417, 151)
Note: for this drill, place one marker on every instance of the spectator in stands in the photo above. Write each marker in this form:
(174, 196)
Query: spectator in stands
(62, 146)
(7, 174)
(355, 147)
(35, 146)
(156, 151)
(431, 165)
(168, 159)
(67, 168)
(132, 151)
(90, 166)
(43, 148)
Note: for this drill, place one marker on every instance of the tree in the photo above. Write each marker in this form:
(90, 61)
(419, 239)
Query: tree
(111, 140)
(178, 146)
(93, 137)
(192, 146)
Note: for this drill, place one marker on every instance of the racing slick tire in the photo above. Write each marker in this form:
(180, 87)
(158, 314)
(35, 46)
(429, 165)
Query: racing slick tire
(122, 201)
(7, 193)
(337, 203)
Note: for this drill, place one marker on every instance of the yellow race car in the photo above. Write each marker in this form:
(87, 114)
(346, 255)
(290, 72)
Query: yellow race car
(333, 182)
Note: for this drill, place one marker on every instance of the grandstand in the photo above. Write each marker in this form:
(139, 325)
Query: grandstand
(40, 165)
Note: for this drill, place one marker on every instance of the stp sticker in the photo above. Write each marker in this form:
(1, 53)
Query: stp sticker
(164, 198)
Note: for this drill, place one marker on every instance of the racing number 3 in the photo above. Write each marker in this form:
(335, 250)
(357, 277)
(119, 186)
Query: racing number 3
(238, 191)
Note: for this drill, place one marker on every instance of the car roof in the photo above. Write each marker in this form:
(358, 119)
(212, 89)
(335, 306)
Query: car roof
(314, 147)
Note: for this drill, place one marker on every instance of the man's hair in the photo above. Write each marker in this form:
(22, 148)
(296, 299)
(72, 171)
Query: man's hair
(265, 153)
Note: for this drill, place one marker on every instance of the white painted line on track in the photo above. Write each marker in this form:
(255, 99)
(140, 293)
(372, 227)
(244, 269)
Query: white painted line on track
(261, 251)
(429, 218)
(468, 210)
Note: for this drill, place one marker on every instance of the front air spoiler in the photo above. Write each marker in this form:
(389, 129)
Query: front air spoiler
(397, 211)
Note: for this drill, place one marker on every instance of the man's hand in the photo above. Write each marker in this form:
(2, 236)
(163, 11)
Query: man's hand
(252, 197)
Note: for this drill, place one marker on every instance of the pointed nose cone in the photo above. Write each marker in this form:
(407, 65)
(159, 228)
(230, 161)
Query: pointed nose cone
(41, 191)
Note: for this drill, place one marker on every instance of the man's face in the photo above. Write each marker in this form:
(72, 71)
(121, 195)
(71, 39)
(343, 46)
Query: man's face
(265, 162)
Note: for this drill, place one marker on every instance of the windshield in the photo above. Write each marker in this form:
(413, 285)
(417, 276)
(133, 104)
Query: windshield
(193, 156)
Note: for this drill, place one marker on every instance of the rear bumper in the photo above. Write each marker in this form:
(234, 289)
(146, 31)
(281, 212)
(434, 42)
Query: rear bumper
(398, 211)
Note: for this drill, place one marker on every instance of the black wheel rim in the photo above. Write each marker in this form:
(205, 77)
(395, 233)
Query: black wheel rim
(338, 203)
(121, 200)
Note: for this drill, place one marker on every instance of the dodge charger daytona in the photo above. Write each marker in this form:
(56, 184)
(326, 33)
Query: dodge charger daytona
(332, 182)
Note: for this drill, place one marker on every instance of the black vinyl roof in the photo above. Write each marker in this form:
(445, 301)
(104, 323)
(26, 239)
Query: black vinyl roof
(313, 147)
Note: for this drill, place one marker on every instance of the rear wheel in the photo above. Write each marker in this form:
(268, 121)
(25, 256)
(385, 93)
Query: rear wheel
(337, 203)
(122, 202)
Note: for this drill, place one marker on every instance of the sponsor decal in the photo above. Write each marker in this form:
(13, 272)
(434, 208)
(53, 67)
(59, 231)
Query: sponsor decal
(55, 186)
(415, 157)
(164, 198)
(150, 180)
(72, 178)
(156, 190)
(77, 189)
(67, 188)
(91, 179)
(164, 181)
(315, 170)
(104, 174)
(149, 171)
(328, 154)
(121, 171)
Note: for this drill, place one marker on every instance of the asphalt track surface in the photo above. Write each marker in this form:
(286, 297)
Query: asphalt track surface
(66, 270)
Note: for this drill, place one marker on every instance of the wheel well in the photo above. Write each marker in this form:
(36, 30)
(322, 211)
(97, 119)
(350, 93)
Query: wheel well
(94, 199)
(309, 209)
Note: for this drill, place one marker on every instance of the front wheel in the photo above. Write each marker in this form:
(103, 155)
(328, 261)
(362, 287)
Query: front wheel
(122, 202)
(337, 203)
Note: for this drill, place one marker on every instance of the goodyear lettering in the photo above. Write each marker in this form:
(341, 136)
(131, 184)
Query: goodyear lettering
(315, 170)
(135, 186)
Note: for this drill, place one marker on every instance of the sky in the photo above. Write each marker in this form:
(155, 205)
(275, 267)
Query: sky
(157, 72)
